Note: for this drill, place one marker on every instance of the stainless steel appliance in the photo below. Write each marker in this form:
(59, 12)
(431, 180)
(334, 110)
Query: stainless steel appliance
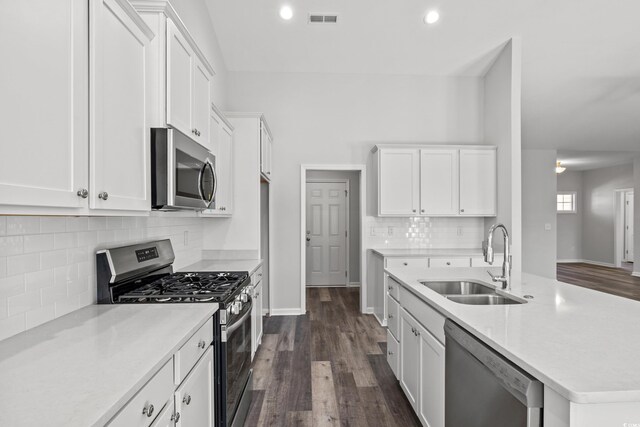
(483, 389)
(183, 174)
(143, 274)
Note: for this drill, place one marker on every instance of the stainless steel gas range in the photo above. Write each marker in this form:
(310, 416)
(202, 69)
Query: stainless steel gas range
(143, 274)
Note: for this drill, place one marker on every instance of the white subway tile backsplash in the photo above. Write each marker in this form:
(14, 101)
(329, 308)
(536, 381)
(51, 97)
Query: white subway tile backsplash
(53, 259)
(22, 303)
(38, 243)
(11, 245)
(53, 224)
(54, 272)
(25, 263)
(21, 225)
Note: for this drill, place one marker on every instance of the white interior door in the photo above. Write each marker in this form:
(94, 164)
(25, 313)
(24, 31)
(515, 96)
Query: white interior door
(326, 233)
(628, 227)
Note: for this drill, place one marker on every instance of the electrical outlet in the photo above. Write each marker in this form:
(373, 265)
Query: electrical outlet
(547, 227)
(390, 231)
(186, 237)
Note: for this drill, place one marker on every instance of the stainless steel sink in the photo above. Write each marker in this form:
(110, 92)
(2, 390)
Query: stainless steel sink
(459, 287)
(483, 299)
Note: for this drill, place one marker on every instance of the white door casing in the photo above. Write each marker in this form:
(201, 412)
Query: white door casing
(326, 233)
(628, 227)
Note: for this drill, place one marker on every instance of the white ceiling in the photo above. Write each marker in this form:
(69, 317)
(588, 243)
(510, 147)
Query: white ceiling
(581, 58)
(586, 160)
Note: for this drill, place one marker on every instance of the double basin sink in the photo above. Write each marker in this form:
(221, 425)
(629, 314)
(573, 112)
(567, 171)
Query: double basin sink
(470, 293)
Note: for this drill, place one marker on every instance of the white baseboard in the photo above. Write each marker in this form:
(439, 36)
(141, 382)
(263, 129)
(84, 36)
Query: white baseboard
(286, 312)
(382, 322)
(353, 285)
(368, 310)
(636, 274)
(265, 311)
(586, 261)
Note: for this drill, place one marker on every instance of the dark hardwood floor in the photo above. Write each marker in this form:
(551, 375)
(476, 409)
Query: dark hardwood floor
(326, 368)
(616, 281)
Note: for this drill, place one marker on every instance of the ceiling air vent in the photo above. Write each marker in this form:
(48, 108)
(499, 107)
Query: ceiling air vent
(323, 19)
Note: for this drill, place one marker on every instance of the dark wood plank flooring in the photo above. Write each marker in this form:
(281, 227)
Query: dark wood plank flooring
(616, 281)
(326, 368)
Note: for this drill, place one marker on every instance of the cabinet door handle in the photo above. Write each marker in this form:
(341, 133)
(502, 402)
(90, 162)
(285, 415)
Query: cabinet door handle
(448, 263)
(422, 210)
(390, 288)
(202, 344)
(405, 263)
(148, 410)
(84, 193)
(414, 210)
(175, 417)
(461, 210)
(104, 196)
(187, 399)
(390, 353)
(391, 316)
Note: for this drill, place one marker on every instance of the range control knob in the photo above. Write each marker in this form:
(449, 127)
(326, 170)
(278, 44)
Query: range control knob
(236, 307)
(244, 297)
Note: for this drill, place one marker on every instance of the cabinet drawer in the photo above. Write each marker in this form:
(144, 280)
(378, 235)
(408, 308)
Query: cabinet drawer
(190, 352)
(393, 358)
(151, 399)
(424, 313)
(393, 287)
(256, 277)
(408, 262)
(449, 262)
(393, 318)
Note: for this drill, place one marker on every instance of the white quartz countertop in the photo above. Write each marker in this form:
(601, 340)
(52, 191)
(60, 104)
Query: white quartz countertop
(583, 344)
(80, 369)
(250, 265)
(391, 252)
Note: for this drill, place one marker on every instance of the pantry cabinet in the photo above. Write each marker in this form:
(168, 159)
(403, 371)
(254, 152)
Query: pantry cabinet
(436, 180)
(119, 137)
(221, 145)
(43, 156)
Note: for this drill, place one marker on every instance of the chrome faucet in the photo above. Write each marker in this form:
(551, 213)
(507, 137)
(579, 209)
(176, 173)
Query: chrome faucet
(487, 248)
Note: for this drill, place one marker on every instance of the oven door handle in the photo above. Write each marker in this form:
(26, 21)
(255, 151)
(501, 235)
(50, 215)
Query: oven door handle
(231, 329)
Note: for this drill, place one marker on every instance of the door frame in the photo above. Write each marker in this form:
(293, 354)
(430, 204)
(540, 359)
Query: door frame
(619, 199)
(346, 182)
(362, 169)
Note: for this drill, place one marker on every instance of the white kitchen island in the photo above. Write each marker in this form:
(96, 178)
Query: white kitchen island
(583, 345)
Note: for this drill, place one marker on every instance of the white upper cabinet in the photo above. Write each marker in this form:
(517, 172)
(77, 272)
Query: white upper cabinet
(438, 182)
(43, 103)
(478, 182)
(180, 63)
(221, 145)
(188, 87)
(398, 181)
(119, 138)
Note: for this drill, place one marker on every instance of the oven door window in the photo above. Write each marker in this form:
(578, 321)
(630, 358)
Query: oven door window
(188, 176)
(238, 350)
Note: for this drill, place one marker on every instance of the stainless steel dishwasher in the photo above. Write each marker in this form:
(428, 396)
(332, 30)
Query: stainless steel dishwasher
(483, 389)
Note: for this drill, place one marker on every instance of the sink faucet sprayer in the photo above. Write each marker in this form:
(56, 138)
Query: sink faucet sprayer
(487, 248)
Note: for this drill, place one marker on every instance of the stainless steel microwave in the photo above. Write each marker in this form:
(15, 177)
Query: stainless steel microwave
(183, 174)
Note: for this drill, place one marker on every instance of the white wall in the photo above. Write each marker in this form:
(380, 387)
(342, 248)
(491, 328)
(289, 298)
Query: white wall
(569, 234)
(354, 215)
(195, 15)
(502, 127)
(337, 119)
(539, 210)
(636, 217)
(47, 264)
(598, 220)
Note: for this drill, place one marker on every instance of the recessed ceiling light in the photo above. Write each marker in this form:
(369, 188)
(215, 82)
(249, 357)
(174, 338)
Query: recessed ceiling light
(560, 168)
(431, 17)
(286, 13)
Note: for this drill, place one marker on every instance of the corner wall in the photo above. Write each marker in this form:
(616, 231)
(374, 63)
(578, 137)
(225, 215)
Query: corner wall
(636, 217)
(502, 127)
(539, 186)
(569, 235)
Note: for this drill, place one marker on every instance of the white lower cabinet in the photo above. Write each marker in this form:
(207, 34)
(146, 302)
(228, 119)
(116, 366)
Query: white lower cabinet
(431, 394)
(166, 417)
(422, 362)
(194, 398)
(449, 262)
(256, 319)
(393, 353)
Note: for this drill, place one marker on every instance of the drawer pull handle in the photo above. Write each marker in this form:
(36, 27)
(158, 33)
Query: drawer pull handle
(175, 417)
(202, 344)
(148, 411)
(391, 316)
(405, 263)
(187, 399)
(390, 288)
(448, 263)
(390, 353)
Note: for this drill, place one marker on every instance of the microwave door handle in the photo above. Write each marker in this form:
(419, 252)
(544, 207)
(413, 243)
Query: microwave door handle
(215, 183)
